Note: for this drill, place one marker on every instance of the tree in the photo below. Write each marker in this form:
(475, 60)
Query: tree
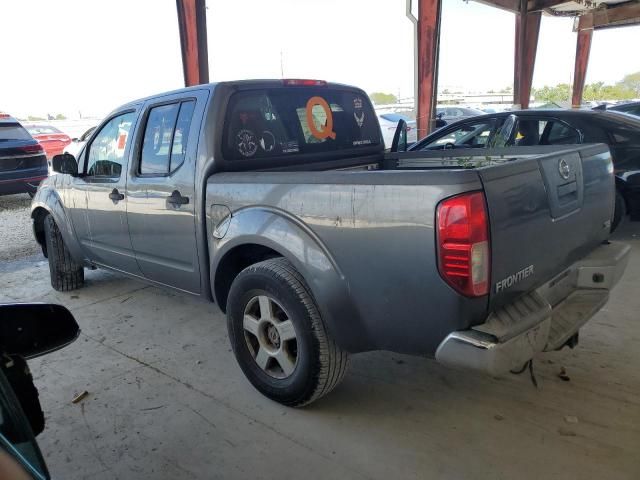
(34, 118)
(559, 93)
(380, 98)
(60, 117)
(632, 82)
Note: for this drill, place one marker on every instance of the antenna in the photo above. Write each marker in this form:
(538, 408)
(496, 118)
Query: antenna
(281, 65)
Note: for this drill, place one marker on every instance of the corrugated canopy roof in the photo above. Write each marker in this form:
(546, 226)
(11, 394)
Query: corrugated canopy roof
(594, 14)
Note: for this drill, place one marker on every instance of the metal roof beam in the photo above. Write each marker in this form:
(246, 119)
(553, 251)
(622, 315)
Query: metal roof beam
(615, 16)
(509, 5)
(539, 5)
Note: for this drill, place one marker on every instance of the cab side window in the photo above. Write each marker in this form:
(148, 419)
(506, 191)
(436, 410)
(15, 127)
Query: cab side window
(165, 138)
(106, 153)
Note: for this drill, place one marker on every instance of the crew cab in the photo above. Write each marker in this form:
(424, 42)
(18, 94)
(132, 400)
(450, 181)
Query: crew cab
(275, 200)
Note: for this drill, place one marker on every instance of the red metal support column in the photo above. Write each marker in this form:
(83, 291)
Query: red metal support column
(527, 32)
(583, 49)
(429, 14)
(192, 22)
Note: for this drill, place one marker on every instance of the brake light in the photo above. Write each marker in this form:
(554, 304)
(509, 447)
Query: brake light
(37, 148)
(300, 82)
(4, 115)
(463, 243)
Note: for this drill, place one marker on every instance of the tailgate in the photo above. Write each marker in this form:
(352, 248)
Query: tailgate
(546, 212)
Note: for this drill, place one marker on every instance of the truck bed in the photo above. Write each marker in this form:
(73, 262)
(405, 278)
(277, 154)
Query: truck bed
(381, 215)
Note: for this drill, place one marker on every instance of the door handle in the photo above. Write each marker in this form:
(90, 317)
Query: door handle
(115, 195)
(176, 199)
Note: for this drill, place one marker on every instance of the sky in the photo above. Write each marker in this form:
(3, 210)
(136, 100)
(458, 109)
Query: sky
(89, 56)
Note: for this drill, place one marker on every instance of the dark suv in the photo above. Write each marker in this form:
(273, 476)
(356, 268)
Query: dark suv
(23, 163)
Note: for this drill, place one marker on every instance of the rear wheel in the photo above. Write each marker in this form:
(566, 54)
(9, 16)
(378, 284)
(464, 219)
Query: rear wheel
(278, 336)
(620, 211)
(66, 273)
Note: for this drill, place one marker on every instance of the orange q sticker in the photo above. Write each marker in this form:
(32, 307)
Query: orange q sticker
(327, 131)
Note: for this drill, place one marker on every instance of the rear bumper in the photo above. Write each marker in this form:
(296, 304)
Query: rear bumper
(542, 320)
(22, 181)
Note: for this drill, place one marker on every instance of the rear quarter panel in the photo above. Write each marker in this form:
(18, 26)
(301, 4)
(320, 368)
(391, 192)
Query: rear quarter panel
(365, 243)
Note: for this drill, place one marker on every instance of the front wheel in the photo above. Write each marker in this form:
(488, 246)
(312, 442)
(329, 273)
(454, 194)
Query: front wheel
(278, 336)
(66, 273)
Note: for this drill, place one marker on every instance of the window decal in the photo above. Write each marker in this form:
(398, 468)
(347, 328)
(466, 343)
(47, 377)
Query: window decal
(327, 131)
(247, 143)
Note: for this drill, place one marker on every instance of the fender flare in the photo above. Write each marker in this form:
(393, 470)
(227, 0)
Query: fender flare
(291, 238)
(47, 200)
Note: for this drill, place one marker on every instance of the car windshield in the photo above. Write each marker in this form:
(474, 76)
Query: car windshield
(395, 117)
(13, 131)
(42, 129)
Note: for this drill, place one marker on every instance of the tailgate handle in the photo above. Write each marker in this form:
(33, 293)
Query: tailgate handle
(567, 189)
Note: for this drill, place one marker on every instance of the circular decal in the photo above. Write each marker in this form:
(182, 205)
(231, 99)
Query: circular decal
(317, 131)
(247, 143)
(268, 141)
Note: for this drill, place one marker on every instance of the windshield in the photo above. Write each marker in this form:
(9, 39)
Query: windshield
(42, 129)
(395, 117)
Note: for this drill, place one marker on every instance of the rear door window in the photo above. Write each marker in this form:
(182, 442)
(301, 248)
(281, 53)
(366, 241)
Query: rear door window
(284, 122)
(559, 133)
(165, 138)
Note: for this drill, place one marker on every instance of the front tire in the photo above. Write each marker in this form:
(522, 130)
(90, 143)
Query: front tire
(278, 336)
(66, 273)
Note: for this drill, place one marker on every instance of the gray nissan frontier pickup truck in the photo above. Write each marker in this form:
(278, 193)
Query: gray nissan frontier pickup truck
(276, 200)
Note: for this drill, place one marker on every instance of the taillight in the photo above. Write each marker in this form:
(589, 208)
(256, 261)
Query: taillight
(37, 148)
(463, 243)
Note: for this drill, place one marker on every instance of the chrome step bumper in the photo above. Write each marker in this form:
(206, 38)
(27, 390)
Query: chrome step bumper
(542, 320)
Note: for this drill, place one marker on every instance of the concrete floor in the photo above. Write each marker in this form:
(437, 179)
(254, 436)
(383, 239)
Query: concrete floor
(167, 400)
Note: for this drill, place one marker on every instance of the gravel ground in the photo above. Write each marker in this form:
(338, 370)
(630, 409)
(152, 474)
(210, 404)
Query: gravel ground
(16, 236)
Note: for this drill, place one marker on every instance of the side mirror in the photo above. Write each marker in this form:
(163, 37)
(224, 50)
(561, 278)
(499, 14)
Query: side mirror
(75, 140)
(65, 163)
(399, 143)
(33, 329)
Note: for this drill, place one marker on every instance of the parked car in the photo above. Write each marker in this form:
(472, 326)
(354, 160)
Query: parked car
(23, 163)
(389, 125)
(26, 331)
(276, 200)
(453, 113)
(556, 127)
(632, 108)
(77, 143)
(52, 140)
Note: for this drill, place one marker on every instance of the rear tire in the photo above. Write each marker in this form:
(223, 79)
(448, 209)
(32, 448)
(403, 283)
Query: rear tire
(620, 211)
(278, 336)
(66, 273)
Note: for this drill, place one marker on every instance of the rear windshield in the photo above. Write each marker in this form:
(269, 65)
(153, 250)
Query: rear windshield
(13, 131)
(282, 122)
(42, 129)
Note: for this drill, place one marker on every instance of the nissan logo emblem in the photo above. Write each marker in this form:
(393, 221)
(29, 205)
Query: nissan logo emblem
(564, 169)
